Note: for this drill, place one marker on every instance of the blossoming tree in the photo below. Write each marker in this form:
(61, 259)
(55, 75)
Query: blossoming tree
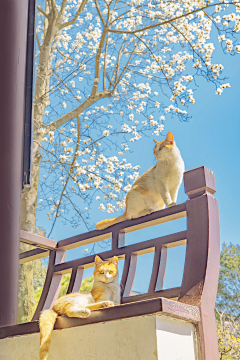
(108, 72)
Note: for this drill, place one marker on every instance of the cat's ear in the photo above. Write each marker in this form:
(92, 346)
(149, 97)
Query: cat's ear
(114, 260)
(170, 138)
(98, 260)
(156, 141)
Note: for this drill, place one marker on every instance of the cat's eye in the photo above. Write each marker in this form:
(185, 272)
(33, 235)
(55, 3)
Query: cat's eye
(110, 272)
(101, 272)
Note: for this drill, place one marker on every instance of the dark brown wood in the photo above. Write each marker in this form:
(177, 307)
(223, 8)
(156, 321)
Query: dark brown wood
(131, 265)
(180, 310)
(38, 241)
(56, 282)
(32, 255)
(158, 271)
(157, 217)
(172, 293)
(48, 280)
(162, 269)
(118, 239)
(13, 43)
(199, 181)
(84, 239)
(200, 278)
(72, 280)
(78, 280)
(155, 269)
(139, 308)
(141, 248)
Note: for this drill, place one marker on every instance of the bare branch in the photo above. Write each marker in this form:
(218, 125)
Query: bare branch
(54, 9)
(71, 22)
(99, 12)
(77, 211)
(105, 64)
(97, 65)
(72, 114)
(165, 22)
(64, 3)
(38, 41)
(43, 12)
(156, 61)
(69, 175)
(117, 64)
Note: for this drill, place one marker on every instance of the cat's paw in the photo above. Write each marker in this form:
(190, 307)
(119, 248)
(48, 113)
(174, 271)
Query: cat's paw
(107, 303)
(84, 313)
(172, 204)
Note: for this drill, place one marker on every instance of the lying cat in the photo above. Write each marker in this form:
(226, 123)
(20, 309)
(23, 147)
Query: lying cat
(105, 293)
(157, 187)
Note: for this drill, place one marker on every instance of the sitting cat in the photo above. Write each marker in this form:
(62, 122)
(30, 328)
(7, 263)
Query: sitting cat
(157, 187)
(105, 293)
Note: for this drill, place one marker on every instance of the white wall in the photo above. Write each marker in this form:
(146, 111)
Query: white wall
(152, 337)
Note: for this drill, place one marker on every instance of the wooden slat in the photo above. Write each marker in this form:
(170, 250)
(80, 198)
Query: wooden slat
(155, 270)
(118, 239)
(38, 241)
(132, 265)
(157, 217)
(168, 293)
(162, 269)
(141, 248)
(32, 255)
(48, 280)
(75, 280)
(84, 239)
(55, 287)
(78, 280)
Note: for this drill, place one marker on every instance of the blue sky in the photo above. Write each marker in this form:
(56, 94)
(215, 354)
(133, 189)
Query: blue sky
(210, 138)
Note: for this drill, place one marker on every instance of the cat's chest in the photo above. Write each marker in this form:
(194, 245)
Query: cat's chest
(168, 172)
(110, 291)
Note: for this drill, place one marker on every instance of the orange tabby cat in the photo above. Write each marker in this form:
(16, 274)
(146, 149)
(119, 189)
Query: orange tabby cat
(105, 293)
(157, 187)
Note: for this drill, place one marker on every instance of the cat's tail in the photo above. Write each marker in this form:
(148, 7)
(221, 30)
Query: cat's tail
(108, 222)
(46, 323)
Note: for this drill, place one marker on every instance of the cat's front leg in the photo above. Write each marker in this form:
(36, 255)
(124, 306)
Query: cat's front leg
(165, 194)
(77, 311)
(100, 305)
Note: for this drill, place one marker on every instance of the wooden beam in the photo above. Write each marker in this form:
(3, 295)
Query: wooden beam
(32, 255)
(38, 241)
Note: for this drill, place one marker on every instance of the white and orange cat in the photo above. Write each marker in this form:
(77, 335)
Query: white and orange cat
(157, 187)
(105, 293)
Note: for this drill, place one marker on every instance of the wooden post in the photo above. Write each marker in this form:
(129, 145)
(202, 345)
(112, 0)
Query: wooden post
(200, 279)
(13, 34)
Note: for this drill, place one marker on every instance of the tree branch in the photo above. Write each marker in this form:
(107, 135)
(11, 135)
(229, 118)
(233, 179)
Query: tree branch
(99, 12)
(166, 21)
(38, 41)
(69, 175)
(43, 12)
(105, 60)
(72, 114)
(54, 9)
(71, 22)
(97, 65)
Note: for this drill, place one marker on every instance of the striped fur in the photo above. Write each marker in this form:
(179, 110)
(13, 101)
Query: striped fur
(105, 293)
(46, 322)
